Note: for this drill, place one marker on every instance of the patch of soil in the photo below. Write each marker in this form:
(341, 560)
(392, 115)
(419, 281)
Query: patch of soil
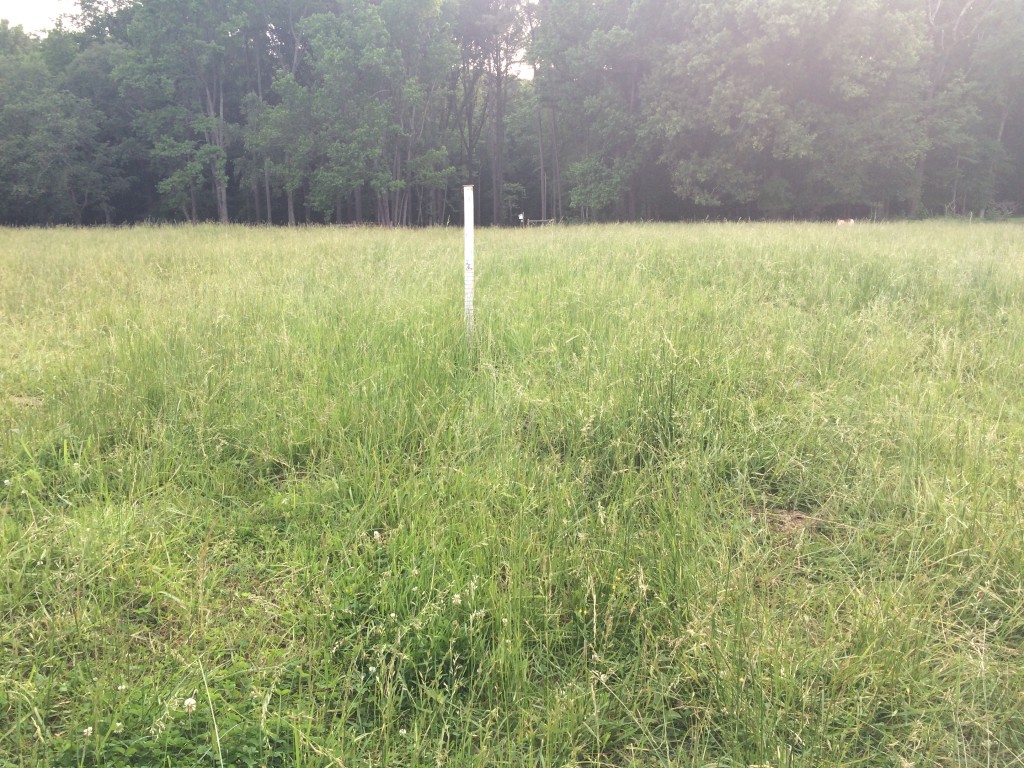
(27, 402)
(788, 522)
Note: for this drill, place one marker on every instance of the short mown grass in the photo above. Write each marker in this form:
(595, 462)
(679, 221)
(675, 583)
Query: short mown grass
(706, 495)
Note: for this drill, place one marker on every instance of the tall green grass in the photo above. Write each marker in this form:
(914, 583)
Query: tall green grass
(700, 495)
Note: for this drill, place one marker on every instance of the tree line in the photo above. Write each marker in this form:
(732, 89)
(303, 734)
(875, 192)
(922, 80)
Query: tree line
(289, 111)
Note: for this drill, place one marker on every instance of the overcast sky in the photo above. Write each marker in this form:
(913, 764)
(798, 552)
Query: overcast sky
(34, 15)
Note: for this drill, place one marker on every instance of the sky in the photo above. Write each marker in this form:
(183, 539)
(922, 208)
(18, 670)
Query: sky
(34, 15)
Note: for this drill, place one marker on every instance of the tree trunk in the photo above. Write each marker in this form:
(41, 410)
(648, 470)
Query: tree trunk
(222, 201)
(256, 202)
(77, 209)
(266, 163)
(543, 175)
(266, 190)
(956, 182)
(215, 137)
(498, 151)
(915, 198)
(558, 169)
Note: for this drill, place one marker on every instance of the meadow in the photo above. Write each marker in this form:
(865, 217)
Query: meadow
(692, 495)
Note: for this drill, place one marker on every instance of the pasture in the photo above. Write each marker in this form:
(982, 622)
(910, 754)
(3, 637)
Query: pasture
(704, 495)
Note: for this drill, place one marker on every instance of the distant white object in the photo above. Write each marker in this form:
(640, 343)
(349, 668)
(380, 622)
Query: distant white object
(522, 218)
(844, 222)
(467, 202)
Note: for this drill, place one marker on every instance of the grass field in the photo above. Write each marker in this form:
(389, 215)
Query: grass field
(706, 495)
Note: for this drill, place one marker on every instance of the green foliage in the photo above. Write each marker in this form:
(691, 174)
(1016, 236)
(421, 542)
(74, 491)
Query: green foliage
(595, 187)
(182, 55)
(283, 136)
(52, 161)
(821, 101)
(637, 109)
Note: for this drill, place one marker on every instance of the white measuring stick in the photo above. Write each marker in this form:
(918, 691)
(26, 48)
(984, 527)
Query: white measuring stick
(467, 195)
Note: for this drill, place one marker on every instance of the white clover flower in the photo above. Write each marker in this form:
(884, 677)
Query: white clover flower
(118, 727)
(7, 482)
(122, 687)
(87, 732)
(402, 732)
(189, 705)
(456, 599)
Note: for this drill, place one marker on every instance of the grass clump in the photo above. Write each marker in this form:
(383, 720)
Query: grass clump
(694, 495)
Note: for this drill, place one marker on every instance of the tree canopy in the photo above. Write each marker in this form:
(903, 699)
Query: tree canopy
(286, 111)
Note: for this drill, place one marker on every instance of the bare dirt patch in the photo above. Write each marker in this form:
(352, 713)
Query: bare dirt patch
(27, 402)
(788, 522)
